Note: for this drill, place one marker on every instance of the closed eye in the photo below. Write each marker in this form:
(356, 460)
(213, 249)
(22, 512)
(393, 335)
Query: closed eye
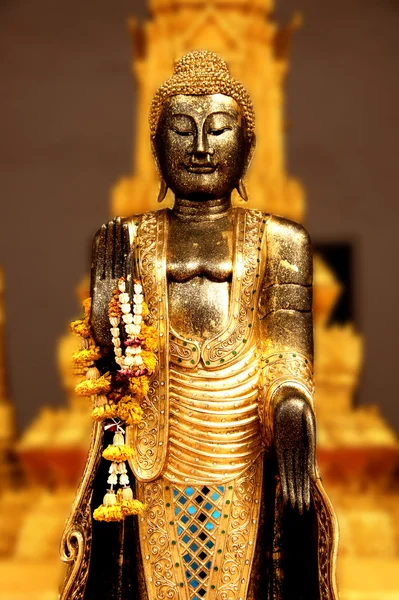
(182, 133)
(219, 131)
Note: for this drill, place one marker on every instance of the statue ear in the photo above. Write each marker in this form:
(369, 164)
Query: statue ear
(251, 151)
(163, 189)
(240, 185)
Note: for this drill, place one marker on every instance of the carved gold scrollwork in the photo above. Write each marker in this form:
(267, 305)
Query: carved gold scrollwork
(327, 542)
(185, 353)
(150, 437)
(241, 535)
(155, 544)
(76, 541)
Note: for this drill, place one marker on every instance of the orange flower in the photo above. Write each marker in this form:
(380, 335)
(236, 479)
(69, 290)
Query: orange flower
(130, 412)
(139, 386)
(109, 513)
(84, 358)
(91, 387)
(118, 453)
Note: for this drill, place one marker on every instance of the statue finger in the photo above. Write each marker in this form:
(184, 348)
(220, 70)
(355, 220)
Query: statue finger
(289, 467)
(99, 253)
(109, 251)
(306, 482)
(310, 425)
(118, 246)
(299, 468)
(127, 259)
(283, 475)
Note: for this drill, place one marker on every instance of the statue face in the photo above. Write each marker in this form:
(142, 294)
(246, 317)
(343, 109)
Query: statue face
(201, 145)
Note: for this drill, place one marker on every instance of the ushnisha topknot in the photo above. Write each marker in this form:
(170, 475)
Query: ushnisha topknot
(200, 73)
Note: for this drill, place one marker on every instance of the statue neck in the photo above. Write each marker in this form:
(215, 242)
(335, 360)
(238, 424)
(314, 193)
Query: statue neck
(206, 210)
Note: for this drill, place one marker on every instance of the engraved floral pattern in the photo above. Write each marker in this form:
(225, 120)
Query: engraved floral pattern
(150, 437)
(77, 537)
(241, 535)
(156, 551)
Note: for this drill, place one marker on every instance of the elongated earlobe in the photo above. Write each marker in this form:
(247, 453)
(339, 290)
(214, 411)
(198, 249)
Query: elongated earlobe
(163, 190)
(241, 190)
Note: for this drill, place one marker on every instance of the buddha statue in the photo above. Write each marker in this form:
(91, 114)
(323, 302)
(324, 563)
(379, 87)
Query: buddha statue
(224, 457)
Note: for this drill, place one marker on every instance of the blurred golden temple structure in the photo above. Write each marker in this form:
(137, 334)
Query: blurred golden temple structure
(358, 453)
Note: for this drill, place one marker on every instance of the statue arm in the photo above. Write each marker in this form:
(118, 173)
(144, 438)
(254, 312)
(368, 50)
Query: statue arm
(285, 309)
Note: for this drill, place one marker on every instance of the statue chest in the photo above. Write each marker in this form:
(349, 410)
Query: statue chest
(199, 264)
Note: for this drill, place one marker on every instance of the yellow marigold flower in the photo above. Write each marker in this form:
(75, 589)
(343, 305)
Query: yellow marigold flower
(87, 306)
(81, 327)
(131, 507)
(139, 386)
(130, 412)
(101, 413)
(91, 387)
(84, 358)
(108, 513)
(149, 360)
(150, 336)
(118, 453)
(126, 399)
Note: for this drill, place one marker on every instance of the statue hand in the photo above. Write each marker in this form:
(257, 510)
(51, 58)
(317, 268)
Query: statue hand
(295, 442)
(111, 261)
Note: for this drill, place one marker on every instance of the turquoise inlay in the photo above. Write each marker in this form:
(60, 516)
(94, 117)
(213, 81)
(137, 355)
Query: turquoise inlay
(198, 513)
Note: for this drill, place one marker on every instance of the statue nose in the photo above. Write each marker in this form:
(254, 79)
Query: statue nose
(201, 145)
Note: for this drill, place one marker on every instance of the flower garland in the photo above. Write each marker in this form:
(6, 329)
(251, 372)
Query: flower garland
(116, 397)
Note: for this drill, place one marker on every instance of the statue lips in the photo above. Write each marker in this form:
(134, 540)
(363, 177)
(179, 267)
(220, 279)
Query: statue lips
(200, 168)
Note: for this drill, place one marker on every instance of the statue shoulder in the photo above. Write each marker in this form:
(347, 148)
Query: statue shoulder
(289, 252)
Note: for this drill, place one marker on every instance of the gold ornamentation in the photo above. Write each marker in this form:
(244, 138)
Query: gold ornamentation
(240, 542)
(185, 353)
(77, 538)
(327, 542)
(150, 437)
(156, 547)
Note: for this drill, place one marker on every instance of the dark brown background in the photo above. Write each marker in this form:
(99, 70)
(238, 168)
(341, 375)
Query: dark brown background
(66, 136)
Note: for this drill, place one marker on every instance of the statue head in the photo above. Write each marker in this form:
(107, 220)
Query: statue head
(202, 129)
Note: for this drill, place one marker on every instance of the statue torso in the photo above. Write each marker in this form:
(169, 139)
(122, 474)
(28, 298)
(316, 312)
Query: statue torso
(199, 261)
